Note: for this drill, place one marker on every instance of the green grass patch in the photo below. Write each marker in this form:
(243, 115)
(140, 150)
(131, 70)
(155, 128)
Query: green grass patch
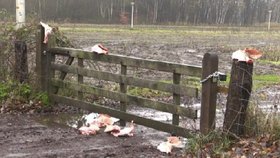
(196, 31)
(270, 62)
(267, 78)
(260, 81)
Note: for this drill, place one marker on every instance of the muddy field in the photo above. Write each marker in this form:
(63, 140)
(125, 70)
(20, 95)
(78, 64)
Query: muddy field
(181, 46)
(36, 135)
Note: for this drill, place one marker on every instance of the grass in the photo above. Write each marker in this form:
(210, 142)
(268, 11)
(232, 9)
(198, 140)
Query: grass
(259, 122)
(277, 63)
(260, 81)
(214, 144)
(270, 79)
(167, 30)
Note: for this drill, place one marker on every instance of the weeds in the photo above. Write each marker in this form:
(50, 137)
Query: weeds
(212, 144)
(16, 92)
(43, 98)
(259, 123)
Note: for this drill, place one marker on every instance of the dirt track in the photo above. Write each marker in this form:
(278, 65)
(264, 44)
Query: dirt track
(22, 136)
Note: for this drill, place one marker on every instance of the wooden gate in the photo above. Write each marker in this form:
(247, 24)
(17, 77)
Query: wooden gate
(48, 70)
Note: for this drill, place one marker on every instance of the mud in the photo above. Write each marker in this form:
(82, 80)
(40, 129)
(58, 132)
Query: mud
(23, 136)
(44, 135)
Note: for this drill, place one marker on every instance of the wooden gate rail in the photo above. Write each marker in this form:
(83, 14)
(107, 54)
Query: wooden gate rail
(134, 81)
(184, 69)
(124, 80)
(139, 101)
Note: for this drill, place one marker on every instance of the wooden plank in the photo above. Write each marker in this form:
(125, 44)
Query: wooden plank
(165, 107)
(123, 89)
(69, 61)
(63, 74)
(177, 130)
(156, 85)
(176, 98)
(208, 94)
(190, 70)
(80, 77)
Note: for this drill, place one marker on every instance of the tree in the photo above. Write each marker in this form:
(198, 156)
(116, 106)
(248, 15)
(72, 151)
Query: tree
(218, 12)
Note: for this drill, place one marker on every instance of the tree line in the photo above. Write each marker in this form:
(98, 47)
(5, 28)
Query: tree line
(195, 12)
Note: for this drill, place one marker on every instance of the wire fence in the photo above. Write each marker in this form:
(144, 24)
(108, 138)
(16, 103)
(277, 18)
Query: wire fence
(246, 110)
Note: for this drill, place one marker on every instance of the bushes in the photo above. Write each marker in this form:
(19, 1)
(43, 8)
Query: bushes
(8, 36)
(12, 92)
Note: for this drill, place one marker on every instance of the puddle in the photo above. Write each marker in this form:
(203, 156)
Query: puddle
(61, 120)
(151, 114)
(268, 99)
(67, 120)
(19, 155)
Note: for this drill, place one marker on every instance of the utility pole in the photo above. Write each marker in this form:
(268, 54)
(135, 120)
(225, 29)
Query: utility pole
(132, 13)
(20, 13)
(269, 19)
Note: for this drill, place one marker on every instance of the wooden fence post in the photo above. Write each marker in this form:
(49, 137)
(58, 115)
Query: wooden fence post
(80, 77)
(123, 89)
(238, 97)
(176, 98)
(41, 57)
(41, 60)
(208, 94)
(50, 73)
(50, 57)
(21, 65)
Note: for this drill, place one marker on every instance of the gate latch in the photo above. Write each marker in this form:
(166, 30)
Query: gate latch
(216, 76)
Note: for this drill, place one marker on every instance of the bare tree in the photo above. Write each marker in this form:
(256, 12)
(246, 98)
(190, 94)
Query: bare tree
(233, 12)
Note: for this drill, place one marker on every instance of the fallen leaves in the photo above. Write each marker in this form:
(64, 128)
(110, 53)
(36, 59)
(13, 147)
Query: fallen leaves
(263, 146)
